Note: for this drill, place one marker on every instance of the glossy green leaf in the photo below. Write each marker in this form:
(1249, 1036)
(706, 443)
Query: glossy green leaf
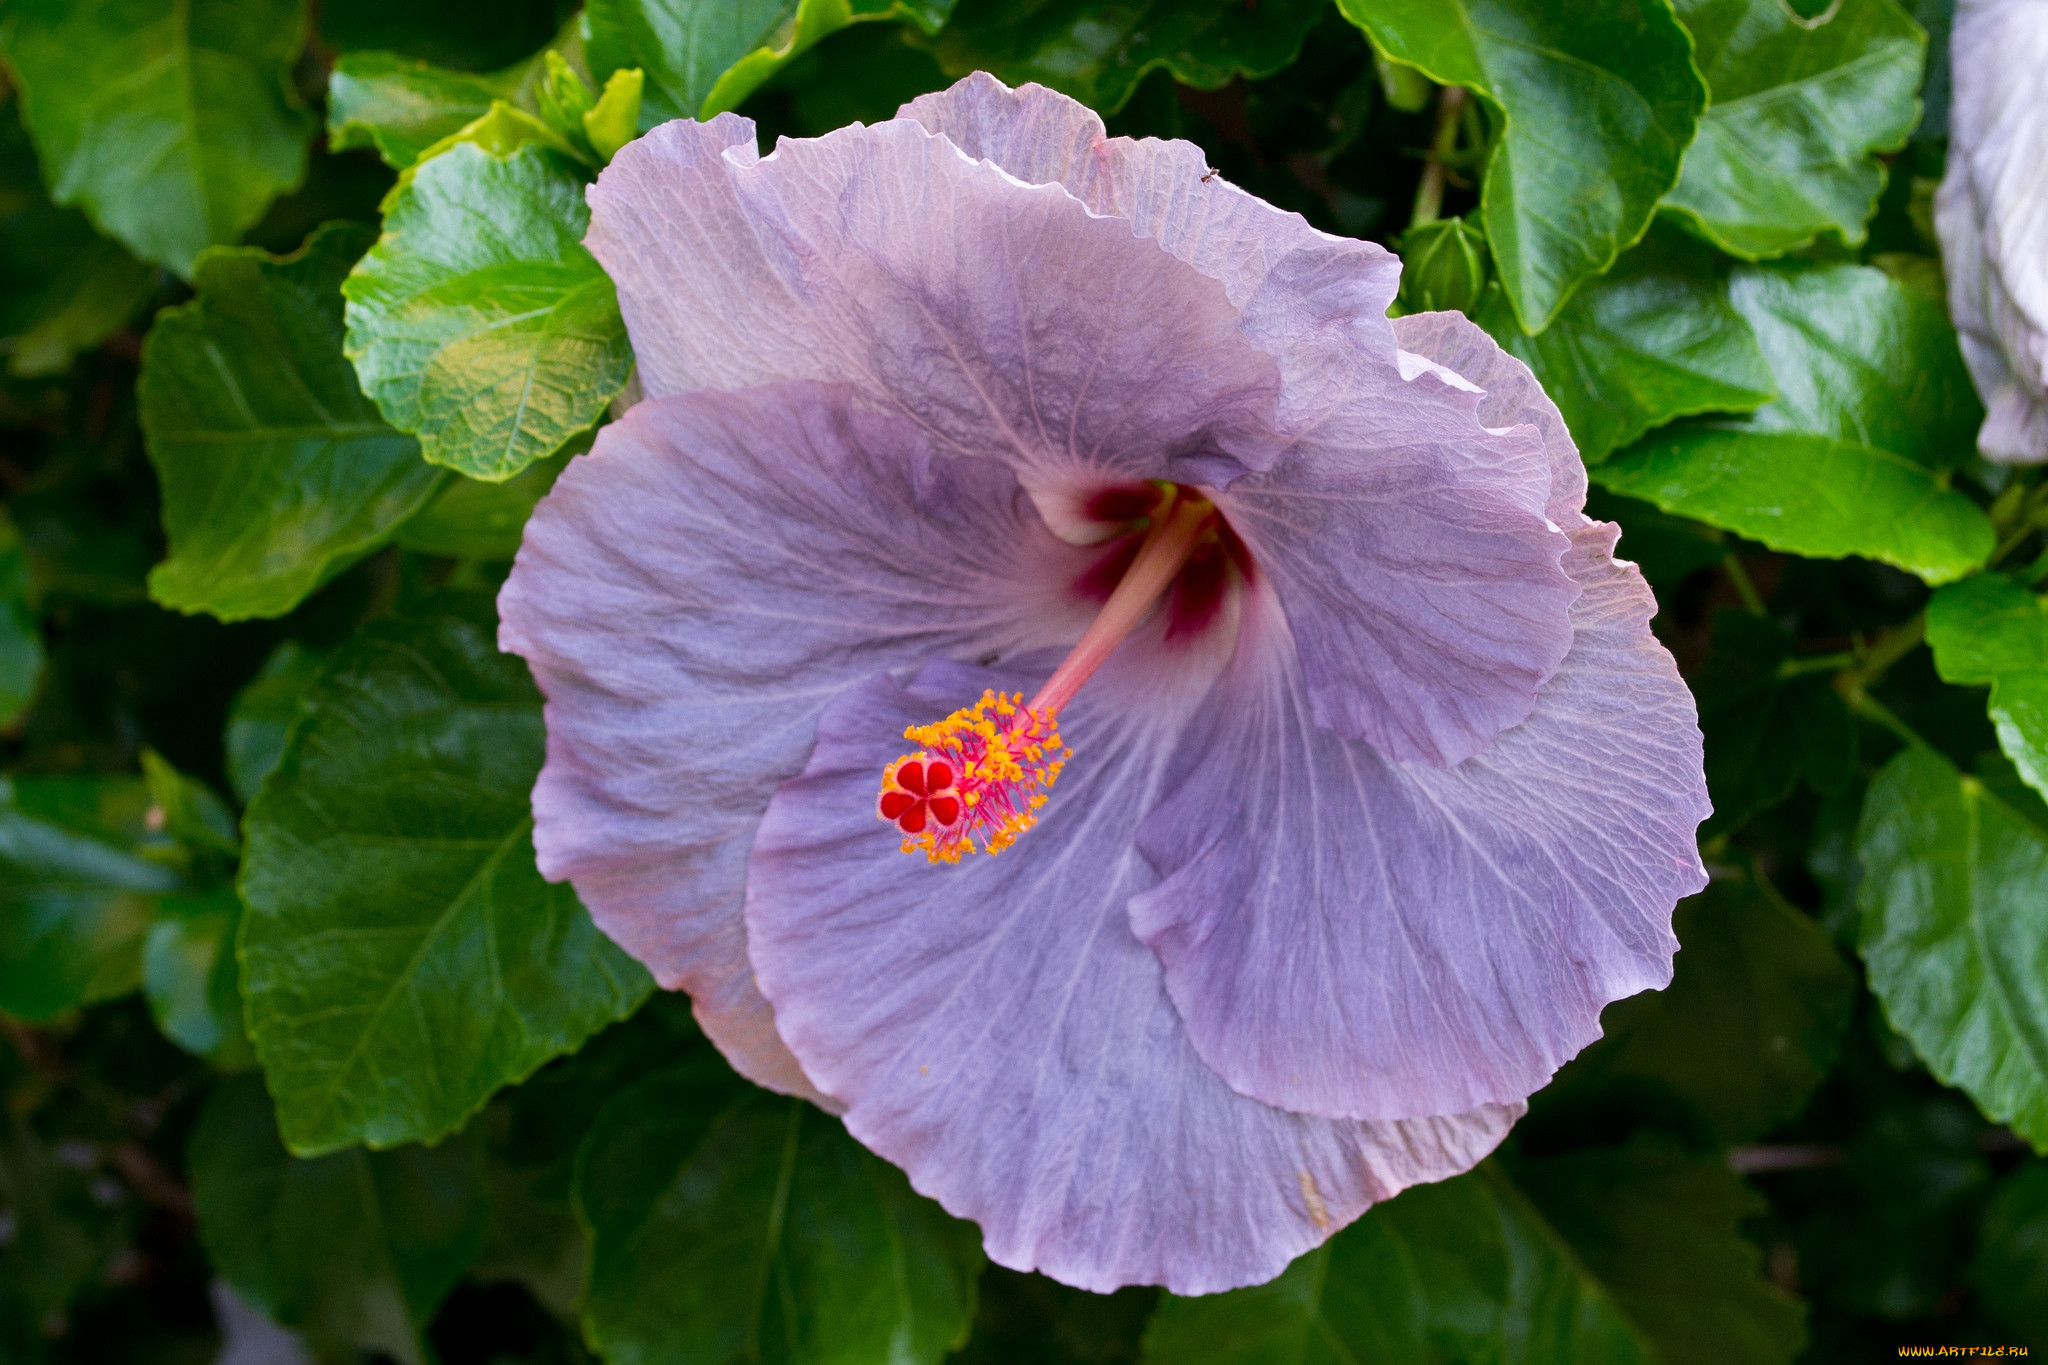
(356, 1249)
(21, 634)
(479, 321)
(1989, 629)
(1812, 495)
(1653, 339)
(75, 895)
(402, 107)
(501, 130)
(1797, 111)
(1851, 457)
(264, 712)
(1858, 356)
(1475, 1270)
(1593, 104)
(730, 1225)
(189, 976)
(1953, 939)
(172, 123)
(1750, 1024)
(1766, 724)
(2011, 1270)
(402, 958)
(471, 519)
(1098, 54)
(276, 472)
(702, 57)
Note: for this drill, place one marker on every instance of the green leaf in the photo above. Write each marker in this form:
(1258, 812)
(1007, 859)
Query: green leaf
(1953, 939)
(615, 119)
(354, 1249)
(479, 321)
(187, 810)
(1593, 104)
(21, 634)
(500, 130)
(727, 1224)
(1989, 629)
(1858, 356)
(60, 1237)
(1888, 1232)
(1653, 339)
(188, 976)
(1750, 1024)
(1594, 1262)
(276, 471)
(2011, 1269)
(535, 1130)
(402, 958)
(702, 57)
(1852, 456)
(63, 287)
(1464, 1270)
(1098, 54)
(75, 897)
(264, 712)
(1766, 724)
(1797, 111)
(1812, 495)
(172, 123)
(470, 519)
(403, 107)
(1662, 1232)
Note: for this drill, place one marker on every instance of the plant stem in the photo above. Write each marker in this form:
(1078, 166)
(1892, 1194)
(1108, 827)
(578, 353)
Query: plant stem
(1429, 195)
(1818, 663)
(1892, 646)
(1745, 587)
(1871, 709)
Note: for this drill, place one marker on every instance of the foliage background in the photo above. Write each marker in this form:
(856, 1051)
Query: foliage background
(297, 327)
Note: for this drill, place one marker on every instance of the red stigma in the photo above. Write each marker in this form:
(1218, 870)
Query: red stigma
(917, 794)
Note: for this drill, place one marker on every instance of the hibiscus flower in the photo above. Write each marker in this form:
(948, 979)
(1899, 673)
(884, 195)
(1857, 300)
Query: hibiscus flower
(1992, 218)
(1067, 684)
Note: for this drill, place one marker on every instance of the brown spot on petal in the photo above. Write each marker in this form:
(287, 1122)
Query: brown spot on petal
(1310, 1195)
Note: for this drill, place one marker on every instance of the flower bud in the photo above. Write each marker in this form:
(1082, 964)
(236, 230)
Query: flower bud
(1443, 266)
(1405, 88)
(564, 96)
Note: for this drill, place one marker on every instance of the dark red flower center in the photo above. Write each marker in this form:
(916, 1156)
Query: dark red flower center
(1203, 584)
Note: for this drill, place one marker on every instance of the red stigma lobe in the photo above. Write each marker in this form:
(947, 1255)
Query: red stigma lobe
(917, 795)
